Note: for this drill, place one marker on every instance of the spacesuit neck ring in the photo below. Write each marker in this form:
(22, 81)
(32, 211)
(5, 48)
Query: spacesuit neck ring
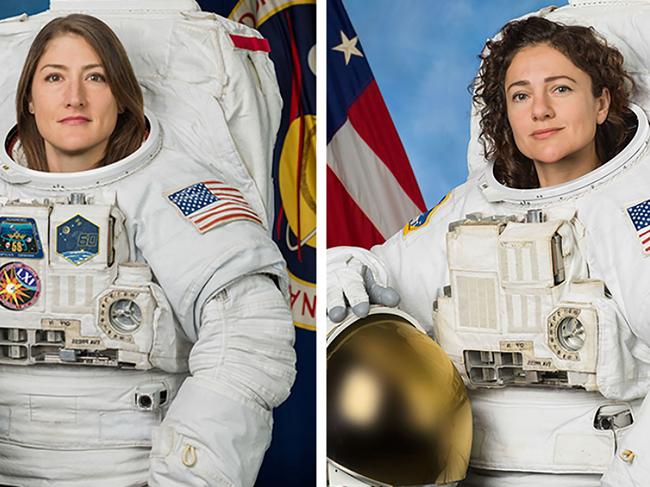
(494, 191)
(14, 173)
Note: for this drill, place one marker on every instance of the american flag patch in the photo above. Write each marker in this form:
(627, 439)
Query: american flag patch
(640, 216)
(209, 204)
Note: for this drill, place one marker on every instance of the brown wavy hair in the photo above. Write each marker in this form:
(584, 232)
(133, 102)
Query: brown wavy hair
(588, 51)
(130, 127)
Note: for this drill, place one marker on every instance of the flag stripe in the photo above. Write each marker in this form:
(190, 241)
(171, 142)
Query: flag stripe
(223, 209)
(370, 183)
(346, 222)
(233, 216)
(230, 197)
(223, 188)
(370, 118)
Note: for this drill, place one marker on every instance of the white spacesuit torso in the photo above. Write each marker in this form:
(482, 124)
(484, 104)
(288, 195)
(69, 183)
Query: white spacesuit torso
(530, 294)
(78, 293)
(145, 332)
(540, 298)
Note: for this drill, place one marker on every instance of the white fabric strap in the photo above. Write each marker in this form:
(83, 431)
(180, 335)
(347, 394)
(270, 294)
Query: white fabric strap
(486, 478)
(53, 418)
(541, 430)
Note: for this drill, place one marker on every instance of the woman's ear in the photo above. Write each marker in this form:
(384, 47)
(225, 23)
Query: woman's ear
(30, 107)
(602, 106)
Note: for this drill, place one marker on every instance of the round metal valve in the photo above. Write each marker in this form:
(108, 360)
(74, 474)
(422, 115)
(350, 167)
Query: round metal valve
(571, 333)
(125, 315)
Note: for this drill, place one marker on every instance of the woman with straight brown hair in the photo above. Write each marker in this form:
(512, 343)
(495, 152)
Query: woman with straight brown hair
(130, 127)
(142, 295)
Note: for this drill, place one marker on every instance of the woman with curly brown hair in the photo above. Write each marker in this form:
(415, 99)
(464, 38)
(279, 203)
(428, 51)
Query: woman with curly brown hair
(533, 275)
(502, 103)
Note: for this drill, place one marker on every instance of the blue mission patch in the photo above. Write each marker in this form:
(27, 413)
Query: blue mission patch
(418, 221)
(424, 218)
(77, 240)
(19, 238)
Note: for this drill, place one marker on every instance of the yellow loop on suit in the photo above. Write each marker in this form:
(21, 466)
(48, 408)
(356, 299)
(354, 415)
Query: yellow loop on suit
(189, 455)
(628, 456)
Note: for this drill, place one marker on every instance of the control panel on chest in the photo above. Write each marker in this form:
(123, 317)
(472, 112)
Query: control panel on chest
(68, 293)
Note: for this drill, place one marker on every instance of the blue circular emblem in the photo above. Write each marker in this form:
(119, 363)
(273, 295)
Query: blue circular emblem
(20, 286)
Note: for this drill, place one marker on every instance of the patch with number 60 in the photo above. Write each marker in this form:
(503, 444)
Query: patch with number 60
(77, 240)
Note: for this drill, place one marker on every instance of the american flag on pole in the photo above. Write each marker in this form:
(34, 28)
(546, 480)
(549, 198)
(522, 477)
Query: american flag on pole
(640, 216)
(371, 188)
(209, 204)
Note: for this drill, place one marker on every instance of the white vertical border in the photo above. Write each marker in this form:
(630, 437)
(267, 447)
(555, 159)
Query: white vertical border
(321, 242)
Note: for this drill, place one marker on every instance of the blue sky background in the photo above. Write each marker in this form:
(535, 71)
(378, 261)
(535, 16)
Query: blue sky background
(423, 54)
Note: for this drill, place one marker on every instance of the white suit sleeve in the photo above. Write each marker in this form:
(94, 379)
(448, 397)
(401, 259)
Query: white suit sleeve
(415, 258)
(413, 262)
(243, 365)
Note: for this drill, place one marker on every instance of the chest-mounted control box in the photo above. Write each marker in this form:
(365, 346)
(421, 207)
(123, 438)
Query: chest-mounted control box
(68, 292)
(519, 309)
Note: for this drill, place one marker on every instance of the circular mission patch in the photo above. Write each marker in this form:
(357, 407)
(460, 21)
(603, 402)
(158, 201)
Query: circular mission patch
(20, 286)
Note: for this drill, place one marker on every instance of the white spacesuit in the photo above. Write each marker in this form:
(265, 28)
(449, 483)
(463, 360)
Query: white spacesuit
(540, 298)
(149, 288)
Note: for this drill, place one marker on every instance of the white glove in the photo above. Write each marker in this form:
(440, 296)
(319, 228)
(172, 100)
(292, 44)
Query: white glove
(356, 278)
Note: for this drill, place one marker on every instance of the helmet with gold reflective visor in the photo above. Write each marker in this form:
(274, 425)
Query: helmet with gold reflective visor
(397, 409)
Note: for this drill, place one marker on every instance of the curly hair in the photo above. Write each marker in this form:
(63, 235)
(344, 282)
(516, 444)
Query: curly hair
(588, 51)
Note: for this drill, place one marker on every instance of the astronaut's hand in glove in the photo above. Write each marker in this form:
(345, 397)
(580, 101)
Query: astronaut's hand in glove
(356, 279)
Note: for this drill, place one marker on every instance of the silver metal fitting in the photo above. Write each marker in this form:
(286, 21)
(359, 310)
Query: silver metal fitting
(150, 397)
(77, 198)
(613, 417)
(534, 216)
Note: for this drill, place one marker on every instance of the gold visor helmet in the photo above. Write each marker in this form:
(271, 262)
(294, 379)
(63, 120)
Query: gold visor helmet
(397, 409)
